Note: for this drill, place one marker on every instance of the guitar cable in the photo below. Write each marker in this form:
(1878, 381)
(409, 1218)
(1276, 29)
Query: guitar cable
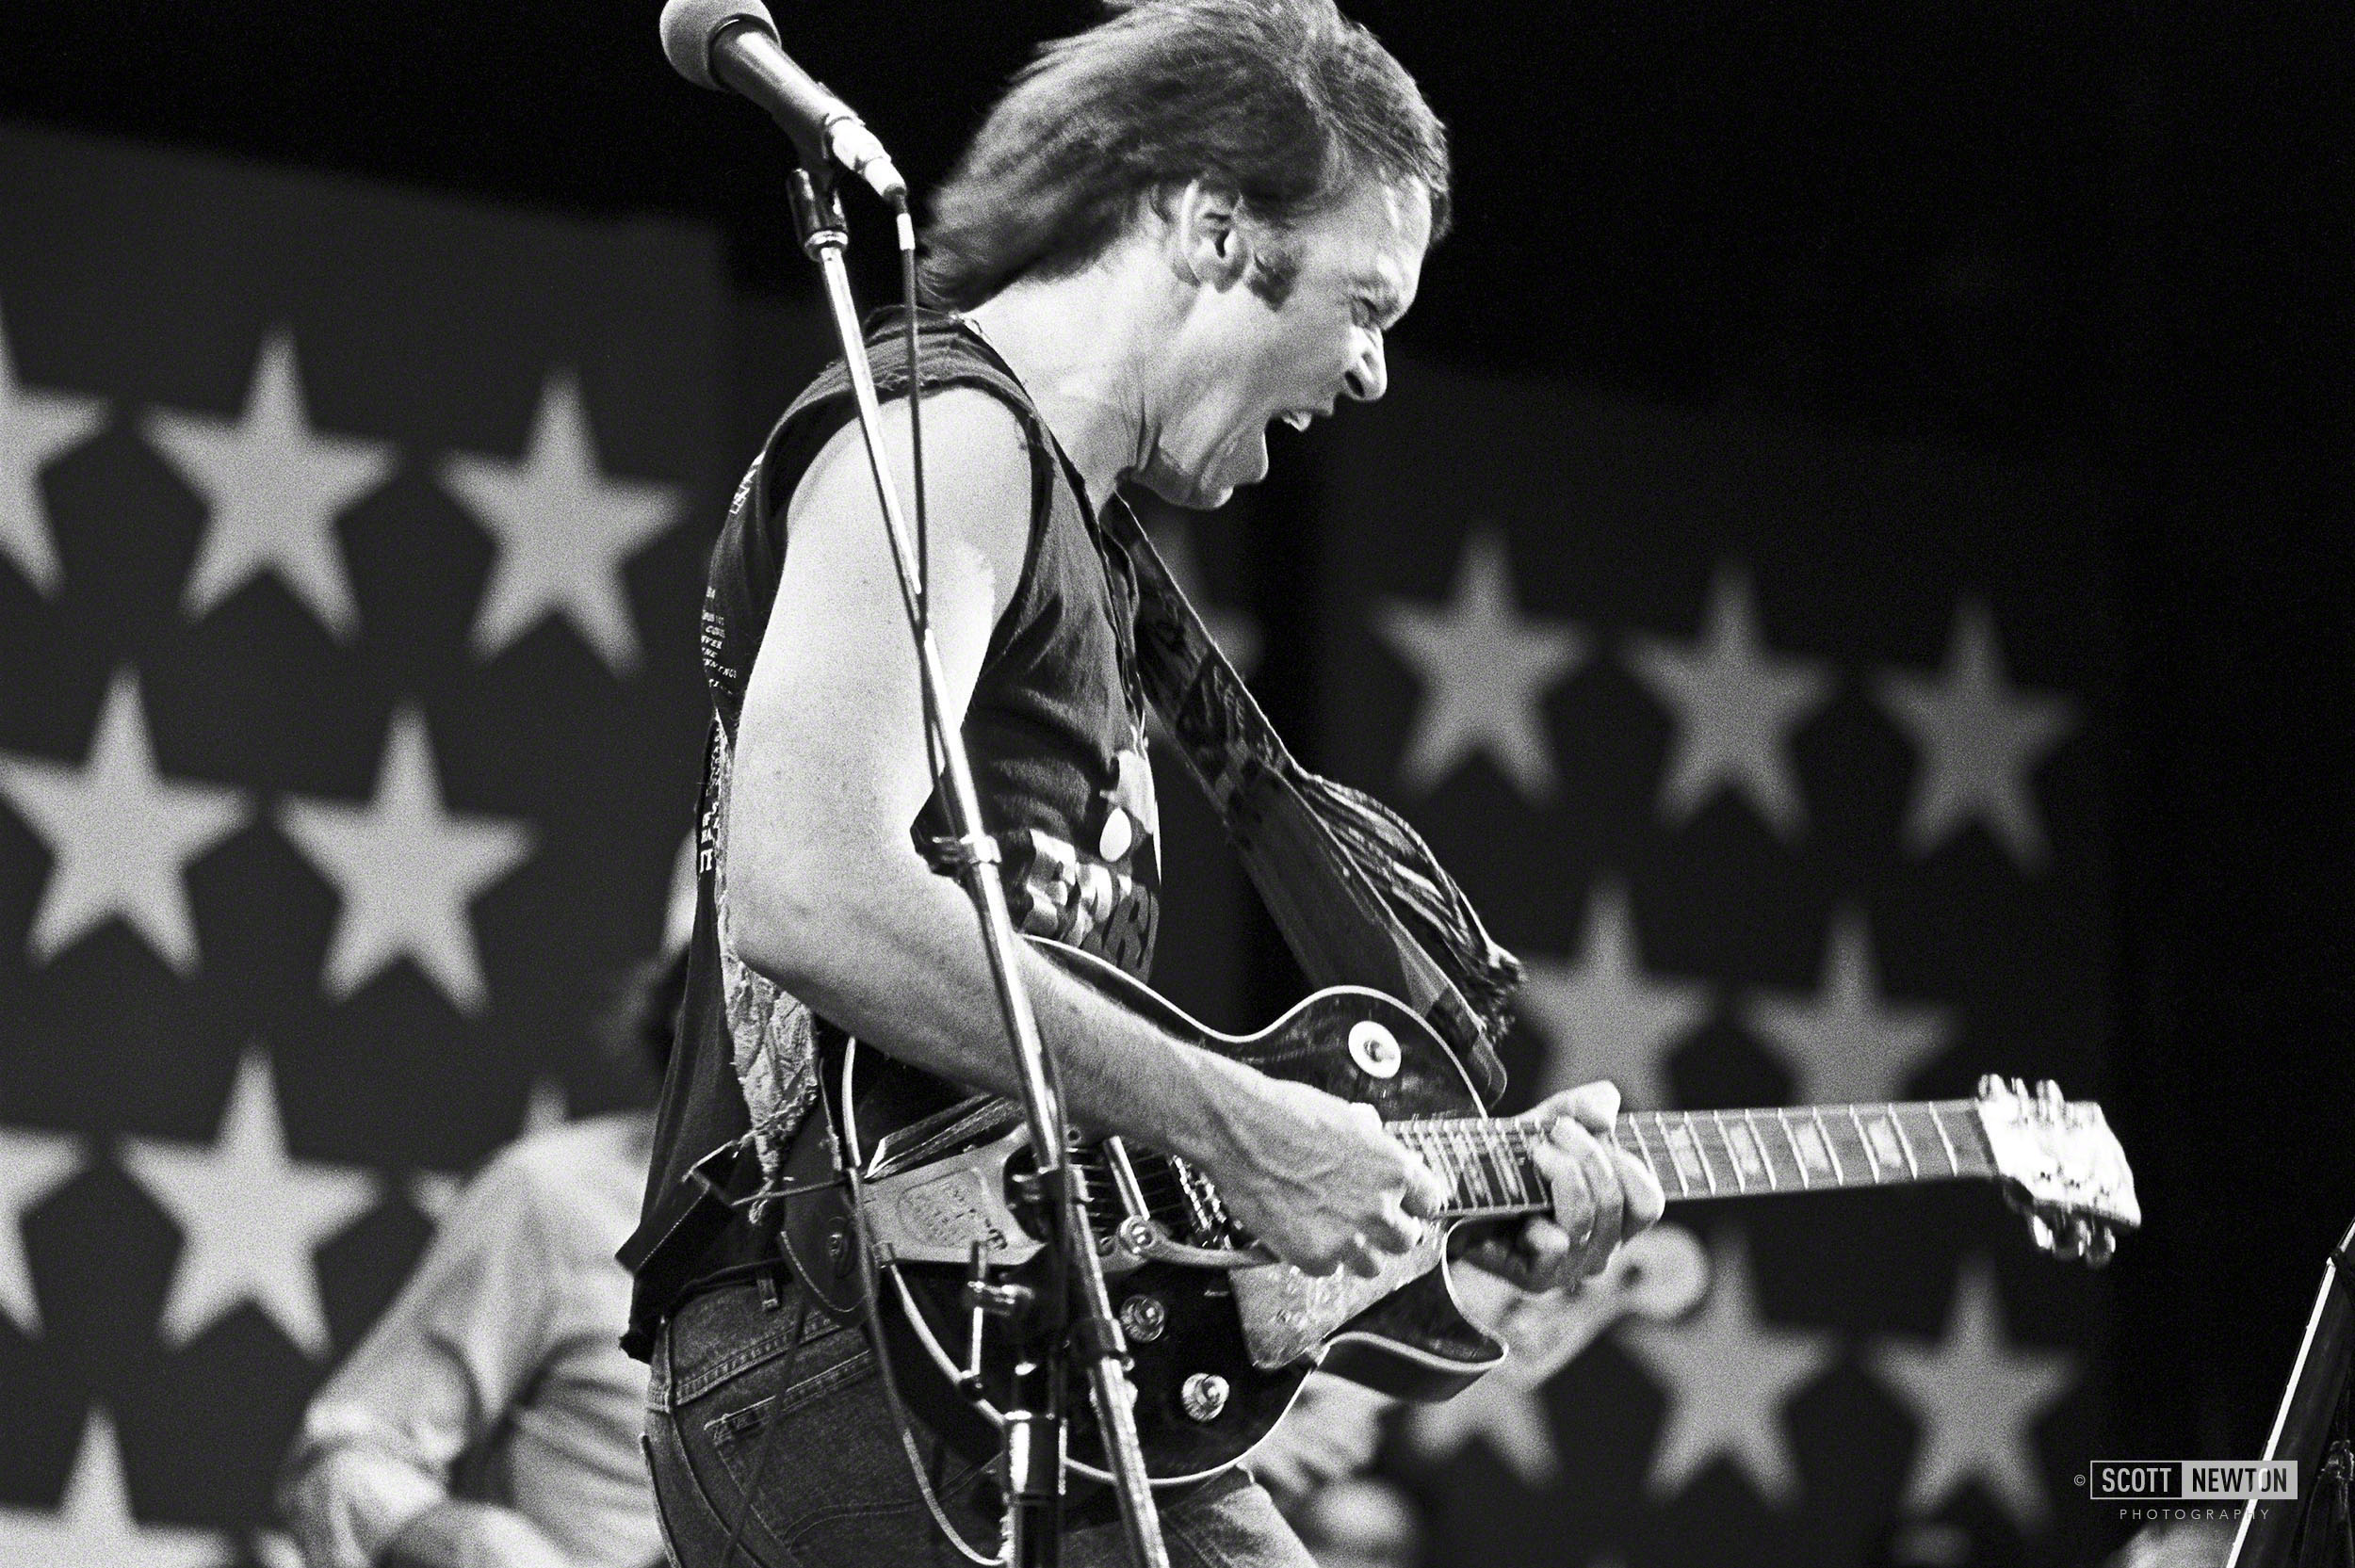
(848, 1155)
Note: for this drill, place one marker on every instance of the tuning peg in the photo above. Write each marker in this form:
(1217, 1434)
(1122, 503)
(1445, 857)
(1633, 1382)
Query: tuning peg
(2020, 1088)
(1990, 1086)
(2042, 1229)
(2098, 1251)
(2048, 1095)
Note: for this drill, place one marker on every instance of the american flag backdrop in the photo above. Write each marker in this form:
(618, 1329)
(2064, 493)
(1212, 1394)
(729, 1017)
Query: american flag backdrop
(350, 548)
(1776, 754)
(350, 543)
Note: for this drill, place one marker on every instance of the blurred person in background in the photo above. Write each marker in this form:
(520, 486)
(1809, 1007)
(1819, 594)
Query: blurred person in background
(490, 1418)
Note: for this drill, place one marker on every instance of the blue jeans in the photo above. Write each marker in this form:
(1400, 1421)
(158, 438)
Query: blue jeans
(787, 1405)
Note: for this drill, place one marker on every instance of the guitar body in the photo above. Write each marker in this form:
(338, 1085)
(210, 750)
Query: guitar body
(929, 1174)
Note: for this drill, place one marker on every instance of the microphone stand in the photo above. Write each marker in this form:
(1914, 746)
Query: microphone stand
(2316, 1387)
(1071, 1317)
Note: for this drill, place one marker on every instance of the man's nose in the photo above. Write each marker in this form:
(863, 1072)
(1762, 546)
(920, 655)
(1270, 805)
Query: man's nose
(1370, 378)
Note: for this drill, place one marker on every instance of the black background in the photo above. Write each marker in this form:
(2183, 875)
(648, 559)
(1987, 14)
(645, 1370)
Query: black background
(2113, 238)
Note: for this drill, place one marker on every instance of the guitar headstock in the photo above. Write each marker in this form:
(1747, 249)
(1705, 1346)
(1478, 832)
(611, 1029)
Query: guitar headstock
(2059, 1159)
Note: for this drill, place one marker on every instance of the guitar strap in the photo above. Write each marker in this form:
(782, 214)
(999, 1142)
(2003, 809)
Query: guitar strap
(1358, 895)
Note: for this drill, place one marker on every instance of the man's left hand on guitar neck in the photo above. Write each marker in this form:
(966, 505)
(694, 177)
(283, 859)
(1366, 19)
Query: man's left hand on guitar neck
(1602, 1195)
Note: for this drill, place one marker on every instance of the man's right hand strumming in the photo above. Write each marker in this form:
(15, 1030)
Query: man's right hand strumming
(1316, 1179)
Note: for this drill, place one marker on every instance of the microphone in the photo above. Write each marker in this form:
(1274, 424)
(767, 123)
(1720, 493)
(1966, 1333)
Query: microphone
(732, 43)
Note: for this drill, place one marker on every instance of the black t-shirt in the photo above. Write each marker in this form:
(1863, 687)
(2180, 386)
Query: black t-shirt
(1055, 729)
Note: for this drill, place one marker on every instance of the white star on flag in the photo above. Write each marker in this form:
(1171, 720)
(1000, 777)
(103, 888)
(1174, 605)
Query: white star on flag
(94, 1525)
(119, 834)
(564, 532)
(407, 870)
(1979, 741)
(1975, 1400)
(1506, 1415)
(1846, 1045)
(1726, 1374)
(250, 1218)
(1602, 1017)
(35, 427)
(275, 487)
(32, 1165)
(1485, 669)
(1735, 704)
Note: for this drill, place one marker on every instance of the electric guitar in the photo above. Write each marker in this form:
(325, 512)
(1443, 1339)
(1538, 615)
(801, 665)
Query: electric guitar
(1221, 1334)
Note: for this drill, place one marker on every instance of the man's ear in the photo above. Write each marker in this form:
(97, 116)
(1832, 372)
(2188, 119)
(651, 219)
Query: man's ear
(1211, 245)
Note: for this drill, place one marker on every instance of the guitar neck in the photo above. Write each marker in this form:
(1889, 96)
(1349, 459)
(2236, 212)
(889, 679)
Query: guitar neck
(1716, 1154)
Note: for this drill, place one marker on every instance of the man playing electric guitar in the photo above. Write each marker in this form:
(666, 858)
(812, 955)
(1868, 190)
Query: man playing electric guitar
(1196, 220)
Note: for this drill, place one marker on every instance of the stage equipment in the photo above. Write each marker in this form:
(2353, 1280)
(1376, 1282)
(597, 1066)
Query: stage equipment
(2312, 1428)
(1061, 1312)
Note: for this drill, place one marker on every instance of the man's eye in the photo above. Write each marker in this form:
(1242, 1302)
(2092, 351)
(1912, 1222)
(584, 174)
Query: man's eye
(1366, 313)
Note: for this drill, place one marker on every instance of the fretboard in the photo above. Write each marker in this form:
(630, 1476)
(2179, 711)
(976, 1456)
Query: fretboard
(1718, 1153)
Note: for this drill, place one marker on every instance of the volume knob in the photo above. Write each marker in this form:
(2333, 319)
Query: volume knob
(1203, 1396)
(1144, 1318)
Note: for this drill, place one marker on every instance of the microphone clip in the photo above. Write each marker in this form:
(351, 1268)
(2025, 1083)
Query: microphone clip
(817, 216)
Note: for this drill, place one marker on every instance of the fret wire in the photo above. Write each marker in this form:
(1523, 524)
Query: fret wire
(1515, 1138)
(1837, 1173)
(1699, 1152)
(1659, 1130)
(1953, 1166)
(1798, 1161)
(1635, 1126)
(1975, 1133)
(1514, 1155)
(1872, 1161)
(1470, 1150)
(1459, 1179)
(1913, 1166)
(1741, 1184)
(1478, 1178)
(1662, 1170)
(1491, 1156)
(1509, 1190)
(1674, 1152)
(1751, 1124)
(1491, 1180)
